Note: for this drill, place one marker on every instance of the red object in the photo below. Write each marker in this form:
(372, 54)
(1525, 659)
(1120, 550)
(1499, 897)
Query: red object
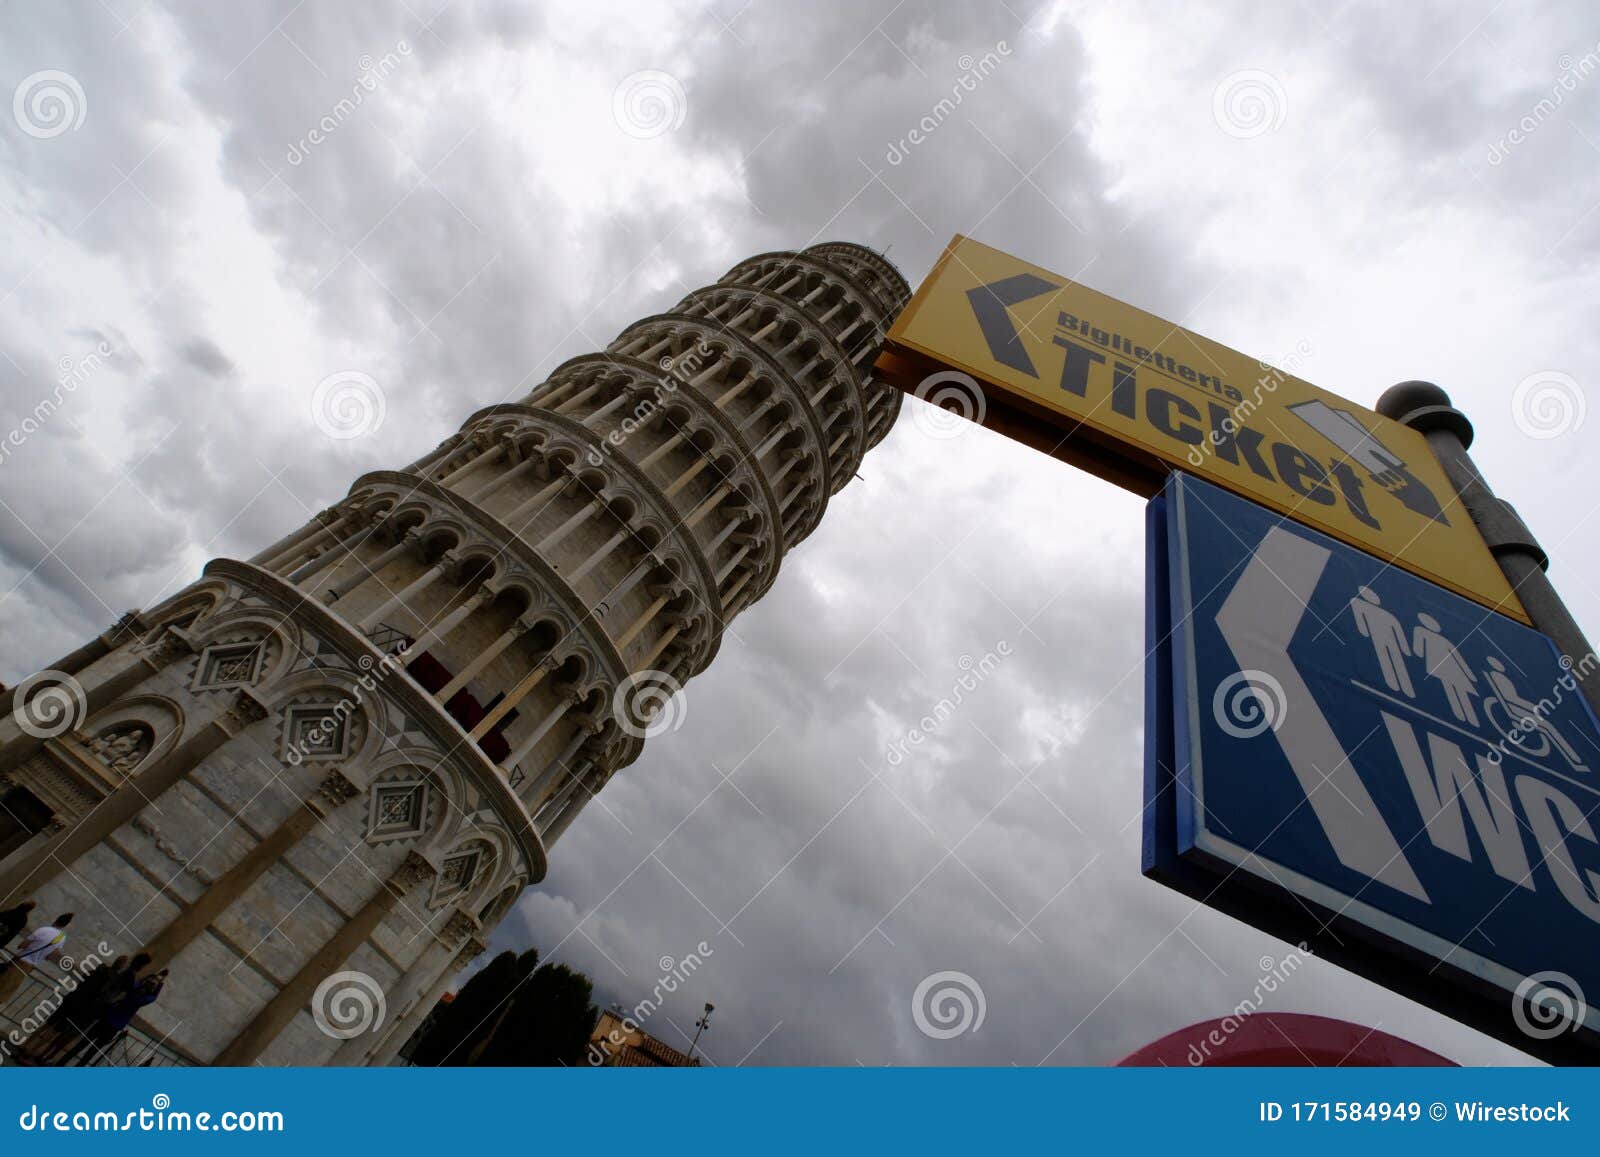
(463, 707)
(1283, 1040)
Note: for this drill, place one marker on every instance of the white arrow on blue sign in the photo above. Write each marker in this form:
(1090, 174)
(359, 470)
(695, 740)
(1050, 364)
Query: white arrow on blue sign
(1378, 750)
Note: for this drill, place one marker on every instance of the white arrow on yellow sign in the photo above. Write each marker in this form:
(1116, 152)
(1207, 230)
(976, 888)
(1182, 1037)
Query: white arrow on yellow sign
(1097, 382)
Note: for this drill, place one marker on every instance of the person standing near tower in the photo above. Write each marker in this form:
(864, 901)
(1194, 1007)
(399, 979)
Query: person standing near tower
(14, 920)
(37, 946)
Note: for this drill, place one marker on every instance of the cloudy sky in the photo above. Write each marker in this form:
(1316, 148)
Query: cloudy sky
(1332, 185)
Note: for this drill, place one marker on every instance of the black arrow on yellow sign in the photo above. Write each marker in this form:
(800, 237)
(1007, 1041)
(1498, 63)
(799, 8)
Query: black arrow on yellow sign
(990, 304)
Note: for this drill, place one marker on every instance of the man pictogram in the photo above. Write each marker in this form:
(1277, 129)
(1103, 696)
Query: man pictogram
(1388, 640)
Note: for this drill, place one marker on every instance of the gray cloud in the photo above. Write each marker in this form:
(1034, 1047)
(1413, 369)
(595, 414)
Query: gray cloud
(478, 216)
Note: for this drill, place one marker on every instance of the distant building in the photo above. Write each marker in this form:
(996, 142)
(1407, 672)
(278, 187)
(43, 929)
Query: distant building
(619, 1043)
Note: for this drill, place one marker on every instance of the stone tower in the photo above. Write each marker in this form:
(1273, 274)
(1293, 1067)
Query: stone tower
(312, 782)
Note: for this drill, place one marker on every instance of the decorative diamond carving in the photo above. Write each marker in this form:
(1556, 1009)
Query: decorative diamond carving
(314, 732)
(457, 875)
(399, 810)
(230, 665)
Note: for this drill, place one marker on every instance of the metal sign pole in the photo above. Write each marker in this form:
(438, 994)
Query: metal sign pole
(1426, 408)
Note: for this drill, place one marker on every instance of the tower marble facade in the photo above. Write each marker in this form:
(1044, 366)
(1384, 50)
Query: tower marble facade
(347, 756)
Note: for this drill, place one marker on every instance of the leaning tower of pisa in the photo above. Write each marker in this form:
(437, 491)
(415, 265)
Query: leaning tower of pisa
(341, 761)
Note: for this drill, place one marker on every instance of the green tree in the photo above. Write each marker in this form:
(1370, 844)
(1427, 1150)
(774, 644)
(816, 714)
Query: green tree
(549, 1022)
(468, 1020)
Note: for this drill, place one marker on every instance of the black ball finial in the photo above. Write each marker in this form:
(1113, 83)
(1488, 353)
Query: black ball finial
(1399, 400)
(1424, 406)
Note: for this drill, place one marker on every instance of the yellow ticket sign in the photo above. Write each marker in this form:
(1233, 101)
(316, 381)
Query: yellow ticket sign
(1098, 382)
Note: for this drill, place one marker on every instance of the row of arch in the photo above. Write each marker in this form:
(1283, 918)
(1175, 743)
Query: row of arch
(398, 514)
(297, 676)
(814, 373)
(447, 825)
(507, 442)
(844, 287)
(757, 391)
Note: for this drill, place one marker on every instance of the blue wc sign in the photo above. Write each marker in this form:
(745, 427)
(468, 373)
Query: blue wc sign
(1342, 751)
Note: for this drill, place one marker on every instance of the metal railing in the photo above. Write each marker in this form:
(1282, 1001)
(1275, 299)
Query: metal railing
(390, 640)
(25, 1011)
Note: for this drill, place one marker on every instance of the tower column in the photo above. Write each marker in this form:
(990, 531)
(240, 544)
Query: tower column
(221, 724)
(558, 766)
(601, 553)
(504, 478)
(516, 695)
(368, 570)
(333, 528)
(526, 509)
(576, 798)
(632, 630)
(437, 956)
(17, 745)
(336, 550)
(421, 583)
(409, 1021)
(438, 632)
(290, 544)
(661, 644)
(481, 660)
(482, 458)
(233, 883)
(636, 576)
(552, 717)
(254, 1038)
